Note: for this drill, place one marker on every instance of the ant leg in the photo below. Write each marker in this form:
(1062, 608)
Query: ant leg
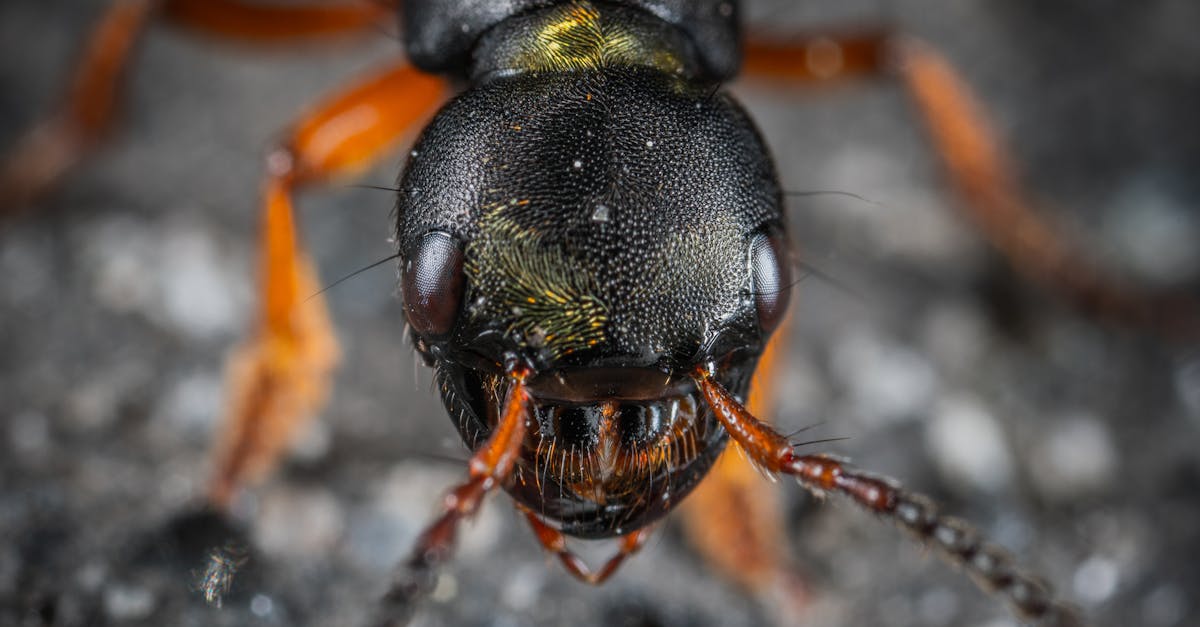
(818, 58)
(56, 144)
(979, 169)
(954, 539)
(555, 542)
(257, 22)
(734, 518)
(488, 468)
(82, 121)
(280, 376)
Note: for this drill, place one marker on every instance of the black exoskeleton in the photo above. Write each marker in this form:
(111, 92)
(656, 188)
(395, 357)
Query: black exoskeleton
(440, 36)
(594, 207)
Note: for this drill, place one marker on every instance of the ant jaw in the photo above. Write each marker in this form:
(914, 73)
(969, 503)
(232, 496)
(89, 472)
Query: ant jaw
(591, 385)
(607, 451)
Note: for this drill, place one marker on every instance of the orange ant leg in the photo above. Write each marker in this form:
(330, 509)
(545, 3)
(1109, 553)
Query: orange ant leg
(280, 376)
(488, 468)
(56, 144)
(555, 542)
(264, 23)
(955, 540)
(734, 518)
(82, 121)
(979, 169)
(818, 57)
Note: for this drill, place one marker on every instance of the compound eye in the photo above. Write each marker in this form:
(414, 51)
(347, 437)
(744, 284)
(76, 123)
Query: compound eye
(771, 270)
(431, 284)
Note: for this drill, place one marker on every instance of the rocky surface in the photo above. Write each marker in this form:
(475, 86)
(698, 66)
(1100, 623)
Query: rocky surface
(1072, 443)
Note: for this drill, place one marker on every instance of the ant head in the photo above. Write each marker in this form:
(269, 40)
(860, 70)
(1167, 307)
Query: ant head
(618, 218)
(594, 214)
(607, 231)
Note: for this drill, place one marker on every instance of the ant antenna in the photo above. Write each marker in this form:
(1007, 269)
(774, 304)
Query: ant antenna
(806, 428)
(352, 275)
(381, 188)
(821, 441)
(831, 192)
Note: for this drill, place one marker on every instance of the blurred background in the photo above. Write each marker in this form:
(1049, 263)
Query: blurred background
(1071, 442)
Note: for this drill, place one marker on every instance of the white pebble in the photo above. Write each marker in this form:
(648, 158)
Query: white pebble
(1154, 232)
(1075, 457)
(524, 588)
(887, 382)
(262, 605)
(292, 521)
(192, 404)
(196, 286)
(125, 603)
(1096, 579)
(969, 446)
(445, 589)
(176, 276)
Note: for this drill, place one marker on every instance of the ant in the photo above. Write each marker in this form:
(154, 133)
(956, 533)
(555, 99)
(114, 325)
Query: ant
(534, 366)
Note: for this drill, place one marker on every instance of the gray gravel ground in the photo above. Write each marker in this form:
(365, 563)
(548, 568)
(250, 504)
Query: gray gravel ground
(1072, 443)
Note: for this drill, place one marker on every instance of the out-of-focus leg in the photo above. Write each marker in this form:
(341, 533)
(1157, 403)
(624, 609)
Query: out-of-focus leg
(978, 167)
(89, 110)
(280, 376)
(265, 22)
(57, 143)
(815, 58)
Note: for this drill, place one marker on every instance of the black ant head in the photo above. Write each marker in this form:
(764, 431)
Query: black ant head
(607, 230)
(617, 219)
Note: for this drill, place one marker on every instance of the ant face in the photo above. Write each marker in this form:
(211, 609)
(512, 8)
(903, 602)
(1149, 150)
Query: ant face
(610, 232)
